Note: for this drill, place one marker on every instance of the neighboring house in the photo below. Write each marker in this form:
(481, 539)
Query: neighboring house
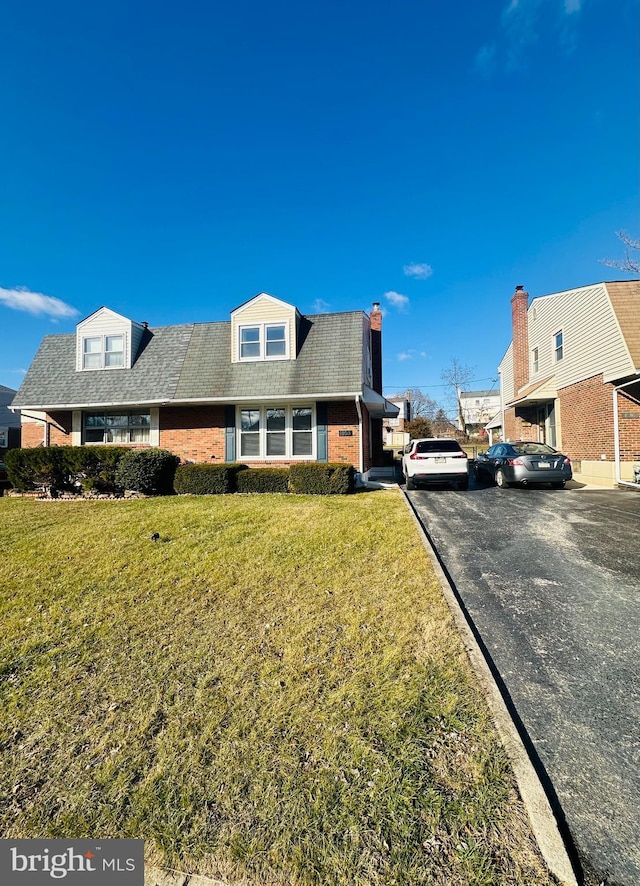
(394, 432)
(571, 376)
(477, 408)
(494, 428)
(9, 421)
(267, 387)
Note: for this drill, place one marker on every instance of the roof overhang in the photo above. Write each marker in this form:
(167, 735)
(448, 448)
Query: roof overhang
(377, 405)
(540, 392)
(496, 422)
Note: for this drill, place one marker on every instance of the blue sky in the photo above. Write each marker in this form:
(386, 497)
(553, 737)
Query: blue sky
(171, 160)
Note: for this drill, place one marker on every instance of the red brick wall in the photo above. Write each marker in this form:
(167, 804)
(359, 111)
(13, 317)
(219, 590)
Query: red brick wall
(33, 432)
(586, 410)
(343, 417)
(195, 433)
(518, 427)
(629, 432)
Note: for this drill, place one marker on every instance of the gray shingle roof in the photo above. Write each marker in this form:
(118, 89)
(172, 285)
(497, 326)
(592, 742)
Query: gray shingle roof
(193, 362)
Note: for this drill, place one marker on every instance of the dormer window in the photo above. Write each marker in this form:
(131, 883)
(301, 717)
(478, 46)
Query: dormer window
(103, 352)
(264, 341)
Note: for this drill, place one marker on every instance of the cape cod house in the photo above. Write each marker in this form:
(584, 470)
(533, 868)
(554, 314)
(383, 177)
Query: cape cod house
(270, 386)
(571, 377)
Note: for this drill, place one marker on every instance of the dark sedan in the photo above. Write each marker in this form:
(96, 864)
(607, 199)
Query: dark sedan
(523, 463)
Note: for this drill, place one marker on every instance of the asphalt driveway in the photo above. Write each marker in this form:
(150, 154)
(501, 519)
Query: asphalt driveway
(551, 580)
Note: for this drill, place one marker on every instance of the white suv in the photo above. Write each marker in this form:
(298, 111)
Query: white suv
(435, 460)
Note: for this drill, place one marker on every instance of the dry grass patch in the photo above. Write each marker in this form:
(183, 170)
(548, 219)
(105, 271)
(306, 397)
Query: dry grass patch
(274, 689)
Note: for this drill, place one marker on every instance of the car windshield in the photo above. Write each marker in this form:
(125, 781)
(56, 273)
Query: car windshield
(533, 449)
(437, 446)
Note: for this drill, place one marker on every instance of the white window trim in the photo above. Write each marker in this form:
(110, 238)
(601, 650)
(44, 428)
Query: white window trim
(262, 433)
(262, 327)
(557, 359)
(535, 359)
(103, 338)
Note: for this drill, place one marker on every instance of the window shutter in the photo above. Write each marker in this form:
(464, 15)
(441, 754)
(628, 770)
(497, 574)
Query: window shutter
(321, 425)
(230, 434)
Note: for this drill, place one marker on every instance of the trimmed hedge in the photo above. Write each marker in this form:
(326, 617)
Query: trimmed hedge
(206, 479)
(62, 468)
(264, 480)
(322, 479)
(150, 471)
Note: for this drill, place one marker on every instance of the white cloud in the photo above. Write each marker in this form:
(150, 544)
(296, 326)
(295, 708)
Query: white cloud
(22, 299)
(419, 271)
(410, 354)
(523, 23)
(399, 301)
(320, 306)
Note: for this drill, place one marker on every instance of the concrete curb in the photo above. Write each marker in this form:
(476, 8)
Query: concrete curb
(543, 822)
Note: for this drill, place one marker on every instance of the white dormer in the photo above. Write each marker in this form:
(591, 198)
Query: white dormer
(264, 328)
(106, 340)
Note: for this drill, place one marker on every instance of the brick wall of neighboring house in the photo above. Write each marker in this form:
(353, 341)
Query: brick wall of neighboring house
(194, 433)
(587, 419)
(517, 427)
(629, 427)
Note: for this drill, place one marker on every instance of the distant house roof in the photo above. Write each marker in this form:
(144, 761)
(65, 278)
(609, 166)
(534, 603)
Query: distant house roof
(8, 419)
(191, 363)
(491, 393)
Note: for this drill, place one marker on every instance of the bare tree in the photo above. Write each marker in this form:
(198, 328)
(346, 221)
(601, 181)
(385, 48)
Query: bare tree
(422, 406)
(457, 377)
(630, 264)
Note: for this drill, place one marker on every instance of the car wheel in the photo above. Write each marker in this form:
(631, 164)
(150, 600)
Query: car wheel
(476, 472)
(463, 483)
(410, 484)
(558, 485)
(501, 480)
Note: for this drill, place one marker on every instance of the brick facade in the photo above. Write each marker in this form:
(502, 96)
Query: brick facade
(194, 433)
(587, 419)
(197, 433)
(343, 417)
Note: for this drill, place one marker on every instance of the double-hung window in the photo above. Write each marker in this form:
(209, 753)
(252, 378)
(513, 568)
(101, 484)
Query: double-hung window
(534, 359)
(276, 432)
(264, 341)
(103, 351)
(558, 346)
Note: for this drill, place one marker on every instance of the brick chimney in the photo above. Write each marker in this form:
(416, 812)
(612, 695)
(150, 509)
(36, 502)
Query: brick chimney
(520, 327)
(375, 319)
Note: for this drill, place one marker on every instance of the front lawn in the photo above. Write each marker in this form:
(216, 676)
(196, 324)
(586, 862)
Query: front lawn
(272, 689)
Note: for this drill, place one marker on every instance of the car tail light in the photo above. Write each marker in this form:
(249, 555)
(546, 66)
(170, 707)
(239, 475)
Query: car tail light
(515, 461)
(460, 455)
(567, 461)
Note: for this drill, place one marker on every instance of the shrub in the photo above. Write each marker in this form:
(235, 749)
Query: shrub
(150, 471)
(206, 479)
(42, 466)
(264, 480)
(322, 479)
(94, 467)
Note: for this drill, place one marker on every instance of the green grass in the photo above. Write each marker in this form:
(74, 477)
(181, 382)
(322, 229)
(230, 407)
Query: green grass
(273, 690)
